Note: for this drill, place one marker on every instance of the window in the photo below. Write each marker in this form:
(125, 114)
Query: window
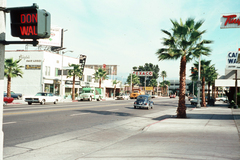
(89, 78)
(56, 71)
(47, 71)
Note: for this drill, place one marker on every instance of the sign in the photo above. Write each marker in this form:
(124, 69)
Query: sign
(143, 73)
(55, 38)
(33, 67)
(30, 22)
(230, 21)
(148, 89)
(232, 62)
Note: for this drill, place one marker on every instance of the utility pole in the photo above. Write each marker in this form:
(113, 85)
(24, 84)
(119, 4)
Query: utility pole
(199, 82)
(2, 60)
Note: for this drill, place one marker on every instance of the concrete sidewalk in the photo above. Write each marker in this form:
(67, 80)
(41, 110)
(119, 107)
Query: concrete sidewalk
(207, 133)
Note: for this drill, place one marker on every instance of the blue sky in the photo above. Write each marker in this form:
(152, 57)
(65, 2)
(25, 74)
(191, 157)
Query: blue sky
(128, 33)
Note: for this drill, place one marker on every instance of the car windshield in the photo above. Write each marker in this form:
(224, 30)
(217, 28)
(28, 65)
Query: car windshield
(41, 94)
(141, 98)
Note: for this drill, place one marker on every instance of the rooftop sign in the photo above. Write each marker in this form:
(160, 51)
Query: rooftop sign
(143, 73)
(230, 21)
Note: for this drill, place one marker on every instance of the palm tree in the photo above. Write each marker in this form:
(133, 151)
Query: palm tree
(163, 75)
(185, 43)
(208, 74)
(100, 75)
(210, 79)
(153, 83)
(164, 86)
(12, 69)
(75, 72)
(135, 80)
(115, 82)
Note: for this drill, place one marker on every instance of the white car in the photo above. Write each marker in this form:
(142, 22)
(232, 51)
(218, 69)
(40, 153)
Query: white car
(221, 99)
(194, 101)
(42, 98)
(123, 97)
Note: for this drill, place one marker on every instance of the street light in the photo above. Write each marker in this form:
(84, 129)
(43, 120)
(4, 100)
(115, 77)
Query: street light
(62, 73)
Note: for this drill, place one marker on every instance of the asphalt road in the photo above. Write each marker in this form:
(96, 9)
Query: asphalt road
(24, 123)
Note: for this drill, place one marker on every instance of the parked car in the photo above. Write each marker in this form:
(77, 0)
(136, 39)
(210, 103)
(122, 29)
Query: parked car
(14, 95)
(8, 99)
(143, 101)
(154, 96)
(172, 96)
(191, 96)
(123, 97)
(42, 98)
(221, 99)
(194, 101)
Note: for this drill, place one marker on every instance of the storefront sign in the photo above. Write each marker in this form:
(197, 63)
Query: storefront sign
(230, 21)
(33, 67)
(71, 82)
(143, 73)
(148, 89)
(232, 61)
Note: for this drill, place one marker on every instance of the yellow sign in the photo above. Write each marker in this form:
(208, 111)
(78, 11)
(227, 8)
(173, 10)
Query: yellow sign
(148, 88)
(34, 67)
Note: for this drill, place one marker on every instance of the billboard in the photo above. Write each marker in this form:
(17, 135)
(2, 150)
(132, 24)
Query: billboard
(232, 62)
(230, 20)
(55, 38)
(143, 73)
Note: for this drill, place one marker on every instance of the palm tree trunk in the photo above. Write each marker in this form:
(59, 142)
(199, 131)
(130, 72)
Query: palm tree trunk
(114, 92)
(9, 87)
(209, 83)
(100, 82)
(73, 89)
(213, 91)
(181, 110)
(203, 93)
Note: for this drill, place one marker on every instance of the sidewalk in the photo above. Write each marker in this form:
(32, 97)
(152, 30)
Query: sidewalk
(207, 133)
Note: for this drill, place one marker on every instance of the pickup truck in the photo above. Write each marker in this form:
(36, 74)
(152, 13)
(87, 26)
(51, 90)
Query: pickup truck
(90, 94)
(14, 95)
(135, 93)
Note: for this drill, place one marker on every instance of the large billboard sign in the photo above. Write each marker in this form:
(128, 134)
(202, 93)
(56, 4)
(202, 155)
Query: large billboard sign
(143, 73)
(230, 21)
(232, 62)
(55, 38)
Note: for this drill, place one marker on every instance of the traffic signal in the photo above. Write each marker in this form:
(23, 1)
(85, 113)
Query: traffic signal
(30, 22)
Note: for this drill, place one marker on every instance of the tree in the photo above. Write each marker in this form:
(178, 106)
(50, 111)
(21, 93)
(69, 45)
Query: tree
(153, 83)
(163, 75)
(115, 82)
(100, 75)
(164, 86)
(12, 69)
(148, 67)
(208, 74)
(210, 79)
(185, 43)
(75, 72)
(135, 80)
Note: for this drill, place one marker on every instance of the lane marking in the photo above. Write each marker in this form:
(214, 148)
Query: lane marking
(60, 109)
(79, 114)
(112, 110)
(9, 122)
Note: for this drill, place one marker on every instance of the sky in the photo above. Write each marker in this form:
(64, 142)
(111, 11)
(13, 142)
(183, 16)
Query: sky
(128, 33)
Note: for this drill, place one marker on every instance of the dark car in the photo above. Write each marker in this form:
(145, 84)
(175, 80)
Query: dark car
(14, 95)
(143, 101)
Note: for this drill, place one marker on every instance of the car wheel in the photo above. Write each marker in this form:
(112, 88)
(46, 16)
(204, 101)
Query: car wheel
(148, 106)
(134, 107)
(19, 97)
(56, 101)
(42, 102)
(29, 103)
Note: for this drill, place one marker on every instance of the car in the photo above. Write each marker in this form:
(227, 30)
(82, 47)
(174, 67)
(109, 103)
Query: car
(191, 96)
(221, 99)
(8, 99)
(154, 96)
(42, 98)
(172, 96)
(143, 101)
(14, 95)
(123, 97)
(194, 101)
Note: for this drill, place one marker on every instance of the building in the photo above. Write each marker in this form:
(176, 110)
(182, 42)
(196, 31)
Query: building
(41, 74)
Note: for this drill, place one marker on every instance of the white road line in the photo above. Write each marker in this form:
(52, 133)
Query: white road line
(79, 114)
(9, 122)
(112, 110)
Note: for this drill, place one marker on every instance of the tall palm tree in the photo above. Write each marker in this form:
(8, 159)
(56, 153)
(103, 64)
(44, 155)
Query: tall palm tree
(135, 80)
(75, 72)
(185, 43)
(163, 75)
(12, 69)
(153, 83)
(100, 75)
(164, 86)
(115, 82)
(208, 74)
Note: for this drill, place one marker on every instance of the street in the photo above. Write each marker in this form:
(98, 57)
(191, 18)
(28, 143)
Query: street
(23, 123)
